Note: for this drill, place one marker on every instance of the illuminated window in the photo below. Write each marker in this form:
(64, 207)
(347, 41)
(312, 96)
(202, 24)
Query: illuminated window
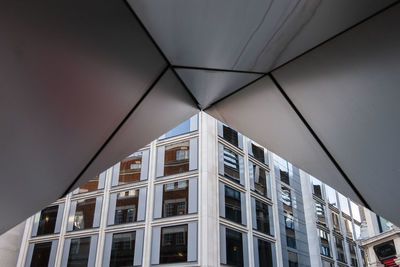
(173, 247)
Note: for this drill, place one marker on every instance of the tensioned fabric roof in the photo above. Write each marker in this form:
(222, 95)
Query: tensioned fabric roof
(85, 83)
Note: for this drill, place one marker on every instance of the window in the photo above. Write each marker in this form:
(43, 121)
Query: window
(316, 187)
(355, 210)
(344, 204)
(384, 225)
(281, 167)
(324, 243)
(230, 135)
(176, 158)
(90, 186)
(84, 214)
(126, 207)
(327, 263)
(231, 165)
(122, 249)
(357, 231)
(234, 248)
(130, 169)
(47, 221)
(41, 254)
(265, 254)
(259, 178)
(286, 199)
(79, 252)
(331, 196)
(320, 211)
(175, 198)
(233, 205)
(340, 254)
(258, 152)
(349, 228)
(353, 256)
(290, 230)
(262, 217)
(292, 258)
(173, 247)
(335, 221)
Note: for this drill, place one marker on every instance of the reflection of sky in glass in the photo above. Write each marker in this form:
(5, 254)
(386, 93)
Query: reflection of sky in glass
(331, 195)
(182, 128)
(344, 205)
(355, 211)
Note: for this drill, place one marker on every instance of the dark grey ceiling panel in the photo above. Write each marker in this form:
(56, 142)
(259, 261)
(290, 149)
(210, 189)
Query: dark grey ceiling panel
(208, 86)
(70, 71)
(261, 112)
(246, 35)
(167, 105)
(348, 91)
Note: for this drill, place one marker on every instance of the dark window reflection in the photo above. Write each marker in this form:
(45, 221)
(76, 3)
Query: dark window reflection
(293, 261)
(262, 217)
(47, 222)
(261, 178)
(340, 250)
(324, 242)
(90, 186)
(41, 254)
(353, 255)
(84, 214)
(123, 249)
(234, 248)
(258, 153)
(126, 207)
(317, 187)
(129, 169)
(230, 135)
(335, 221)
(173, 246)
(232, 205)
(231, 165)
(284, 176)
(79, 252)
(175, 198)
(176, 158)
(264, 253)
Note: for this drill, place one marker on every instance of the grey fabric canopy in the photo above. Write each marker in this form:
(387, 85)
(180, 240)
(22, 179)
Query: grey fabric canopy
(86, 83)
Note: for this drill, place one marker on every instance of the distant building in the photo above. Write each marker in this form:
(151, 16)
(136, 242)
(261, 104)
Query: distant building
(200, 195)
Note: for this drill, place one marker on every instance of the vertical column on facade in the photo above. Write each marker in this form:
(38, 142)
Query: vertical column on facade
(149, 205)
(311, 225)
(275, 212)
(208, 192)
(25, 243)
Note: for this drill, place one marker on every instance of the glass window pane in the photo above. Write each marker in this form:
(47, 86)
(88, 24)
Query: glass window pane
(84, 214)
(340, 249)
(357, 232)
(258, 152)
(349, 228)
(175, 198)
(324, 243)
(176, 158)
(232, 205)
(47, 221)
(335, 221)
(182, 128)
(262, 217)
(130, 168)
(353, 255)
(173, 246)
(122, 249)
(90, 186)
(355, 210)
(79, 252)
(320, 211)
(41, 254)
(261, 180)
(234, 248)
(231, 165)
(126, 207)
(316, 187)
(286, 199)
(293, 261)
(344, 204)
(331, 196)
(264, 253)
(326, 263)
(281, 167)
(230, 135)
